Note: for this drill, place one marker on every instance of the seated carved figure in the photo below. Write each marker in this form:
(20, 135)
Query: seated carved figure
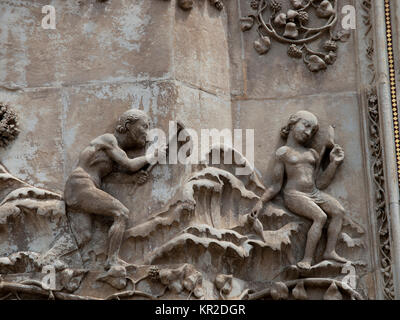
(83, 188)
(301, 193)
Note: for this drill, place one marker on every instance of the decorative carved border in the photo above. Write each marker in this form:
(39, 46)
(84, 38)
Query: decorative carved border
(392, 83)
(382, 214)
(385, 246)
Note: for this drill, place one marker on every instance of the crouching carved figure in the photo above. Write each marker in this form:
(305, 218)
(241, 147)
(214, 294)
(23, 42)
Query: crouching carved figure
(83, 194)
(301, 193)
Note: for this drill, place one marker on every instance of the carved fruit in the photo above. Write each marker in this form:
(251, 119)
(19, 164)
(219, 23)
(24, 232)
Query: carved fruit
(280, 19)
(262, 45)
(325, 9)
(315, 64)
(291, 31)
(330, 58)
(254, 4)
(223, 282)
(218, 4)
(279, 291)
(275, 6)
(185, 4)
(246, 23)
(291, 14)
(330, 45)
(295, 52)
(303, 17)
(297, 4)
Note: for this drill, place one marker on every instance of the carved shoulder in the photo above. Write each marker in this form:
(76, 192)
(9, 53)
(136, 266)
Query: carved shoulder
(107, 140)
(281, 152)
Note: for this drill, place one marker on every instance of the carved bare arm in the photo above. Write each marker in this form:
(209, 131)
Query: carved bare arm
(273, 189)
(110, 145)
(325, 177)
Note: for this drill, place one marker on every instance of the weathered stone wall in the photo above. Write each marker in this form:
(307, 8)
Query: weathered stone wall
(70, 84)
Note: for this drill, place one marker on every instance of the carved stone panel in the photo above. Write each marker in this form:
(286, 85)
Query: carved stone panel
(172, 149)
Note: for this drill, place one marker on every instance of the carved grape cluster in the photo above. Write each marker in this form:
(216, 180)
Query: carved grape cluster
(8, 125)
(290, 26)
(154, 273)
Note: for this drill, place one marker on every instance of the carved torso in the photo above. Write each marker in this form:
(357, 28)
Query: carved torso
(300, 167)
(94, 158)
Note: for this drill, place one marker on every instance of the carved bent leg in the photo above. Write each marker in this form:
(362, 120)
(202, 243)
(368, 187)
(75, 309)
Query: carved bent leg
(88, 198)
(336, 212)
(305, 207)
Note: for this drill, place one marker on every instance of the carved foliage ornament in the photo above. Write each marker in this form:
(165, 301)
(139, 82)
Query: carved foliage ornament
(8, 125)
(188, 4)
(290, 23)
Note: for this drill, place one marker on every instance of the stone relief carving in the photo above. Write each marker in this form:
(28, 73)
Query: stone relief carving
(302, 195)
(289, 22)
(188, 4)
(213, 239)
(83, 194)
(8, 125)
(377, 171)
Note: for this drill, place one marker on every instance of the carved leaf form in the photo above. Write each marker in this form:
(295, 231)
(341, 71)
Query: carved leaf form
(115, 277)
(279, 291)
(27, 261)
(185, 277)
(185, 239)
(262, 45)
(325, 9)
(246, 23)
(342, 36)
(270, 22)
(280, 19)
(234, 182)
(350, 242)
(333, 293)
(315, 63)
(239, 160)
(275, 238)
(299, 292)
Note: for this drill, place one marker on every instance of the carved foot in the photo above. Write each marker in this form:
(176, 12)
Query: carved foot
(115, 277)
(118, 263)
(334, 256)
(304, 264)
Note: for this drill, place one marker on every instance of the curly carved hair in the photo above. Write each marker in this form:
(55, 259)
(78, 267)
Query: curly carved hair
(130, 116)
(293, 119)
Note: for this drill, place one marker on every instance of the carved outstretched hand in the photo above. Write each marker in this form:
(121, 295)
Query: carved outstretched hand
(160, 152)
(140, 177)
(337, 154)
(256, 209)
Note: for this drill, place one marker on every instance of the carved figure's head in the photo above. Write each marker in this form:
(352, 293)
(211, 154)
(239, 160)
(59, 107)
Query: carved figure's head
(302, 125)
(134, 123)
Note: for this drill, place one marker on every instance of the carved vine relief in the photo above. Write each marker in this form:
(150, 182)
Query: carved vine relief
(220, 236)
(298, 24)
